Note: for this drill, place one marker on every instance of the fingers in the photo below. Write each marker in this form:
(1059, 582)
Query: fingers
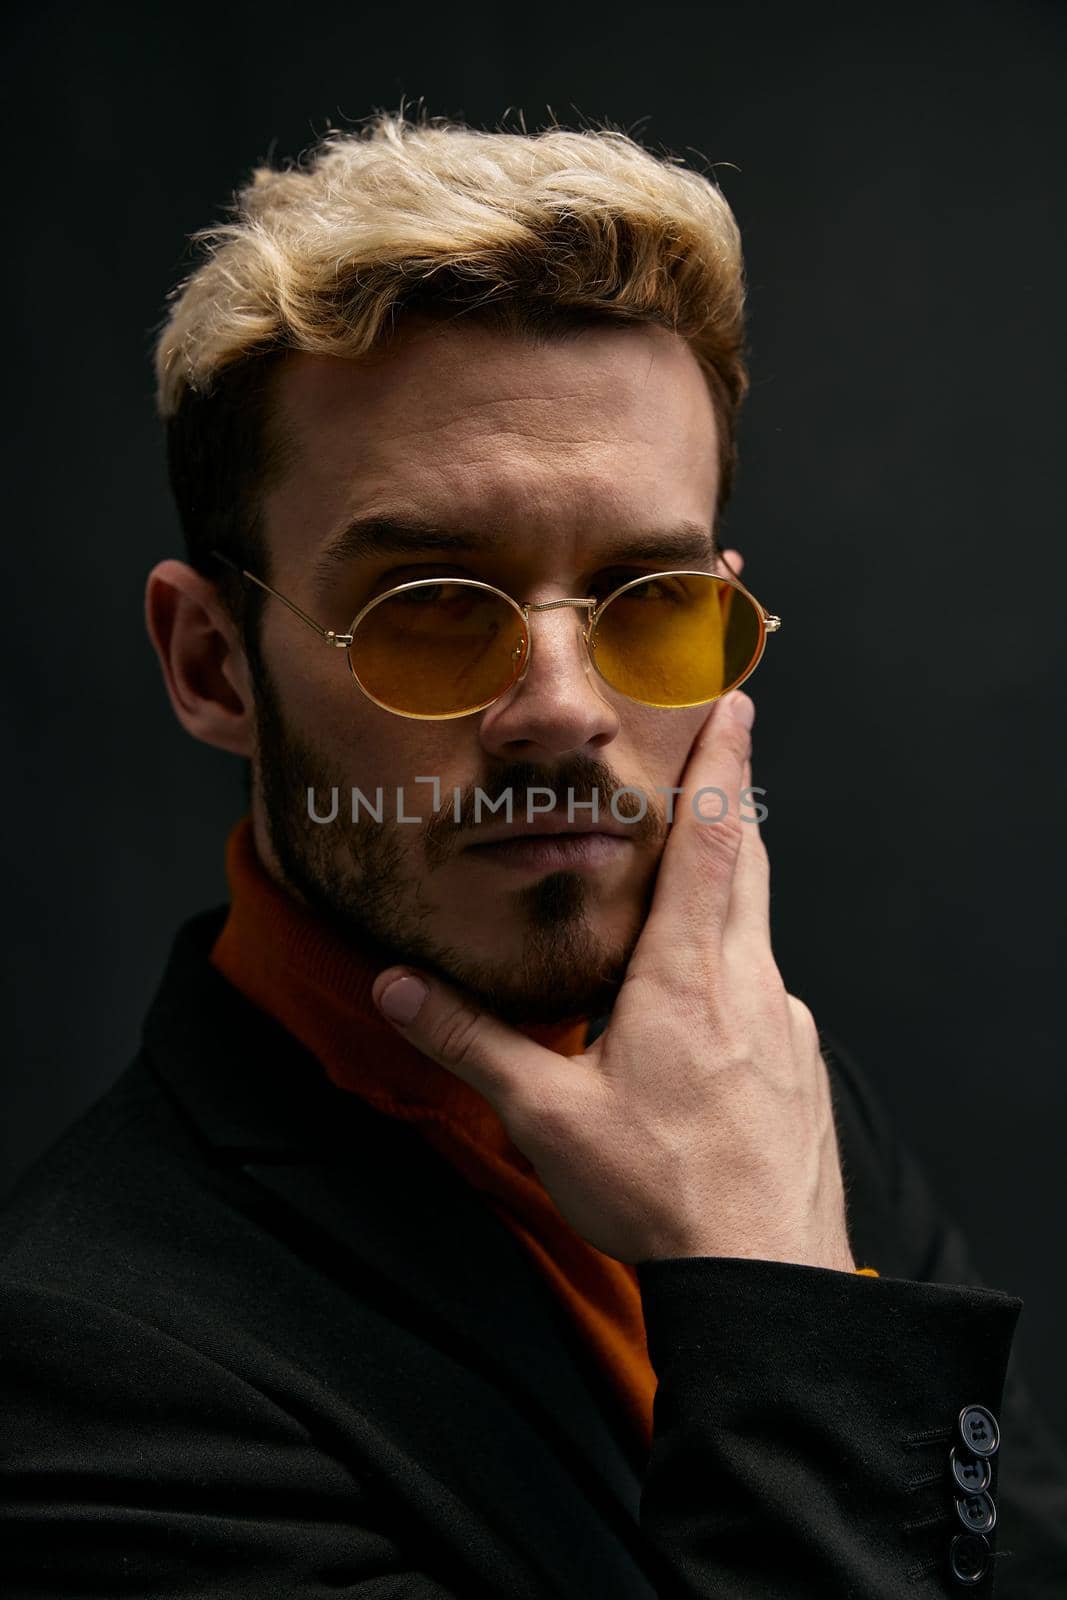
(474, 1045)
(748, 919)
(687, 920)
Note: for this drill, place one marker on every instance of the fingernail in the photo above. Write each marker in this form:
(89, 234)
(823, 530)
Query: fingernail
(741, 706)
(401, 1000)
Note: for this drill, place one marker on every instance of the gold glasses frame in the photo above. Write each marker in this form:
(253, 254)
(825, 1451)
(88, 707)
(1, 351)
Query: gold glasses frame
(594, 609)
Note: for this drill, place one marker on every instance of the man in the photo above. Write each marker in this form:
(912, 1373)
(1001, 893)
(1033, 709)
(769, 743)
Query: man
(383, 1269)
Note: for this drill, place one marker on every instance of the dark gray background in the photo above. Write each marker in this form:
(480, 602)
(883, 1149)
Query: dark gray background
(899, 182)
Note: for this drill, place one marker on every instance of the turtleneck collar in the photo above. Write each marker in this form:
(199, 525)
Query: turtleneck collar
(284, 958)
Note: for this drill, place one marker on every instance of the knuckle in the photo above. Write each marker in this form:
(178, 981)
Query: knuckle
(677, 985)
(721, 840)
(802, 1019)
(456, 1035)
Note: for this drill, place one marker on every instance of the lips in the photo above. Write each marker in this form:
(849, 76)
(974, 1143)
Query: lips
(549, 824)
(541, 853)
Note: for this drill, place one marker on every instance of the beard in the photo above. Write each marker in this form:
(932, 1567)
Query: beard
(369, 889)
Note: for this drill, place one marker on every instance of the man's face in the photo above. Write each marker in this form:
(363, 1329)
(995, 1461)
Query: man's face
(566, 468)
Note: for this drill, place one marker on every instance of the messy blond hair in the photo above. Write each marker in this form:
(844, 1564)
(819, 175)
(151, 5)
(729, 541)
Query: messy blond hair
(536, 233)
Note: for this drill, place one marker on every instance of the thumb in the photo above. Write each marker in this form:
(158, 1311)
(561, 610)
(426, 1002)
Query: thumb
(446, 1026)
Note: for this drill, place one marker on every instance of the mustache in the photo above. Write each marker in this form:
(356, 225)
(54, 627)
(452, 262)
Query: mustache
(572, 782)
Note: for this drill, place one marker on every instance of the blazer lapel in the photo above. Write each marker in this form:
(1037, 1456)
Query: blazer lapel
(371, 1189)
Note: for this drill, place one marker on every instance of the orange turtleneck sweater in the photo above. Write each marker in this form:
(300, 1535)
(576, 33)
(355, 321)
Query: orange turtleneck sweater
(291, 965)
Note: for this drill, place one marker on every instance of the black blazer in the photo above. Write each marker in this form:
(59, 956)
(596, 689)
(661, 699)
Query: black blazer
(257, 1339)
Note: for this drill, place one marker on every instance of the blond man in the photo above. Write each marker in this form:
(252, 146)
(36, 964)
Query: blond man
(482, 1214)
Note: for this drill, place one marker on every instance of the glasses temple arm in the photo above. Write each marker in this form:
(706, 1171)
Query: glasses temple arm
(329, 634)
(771, 622)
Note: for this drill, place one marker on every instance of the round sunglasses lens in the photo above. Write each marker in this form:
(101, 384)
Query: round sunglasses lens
(439, 648)
(677, 639)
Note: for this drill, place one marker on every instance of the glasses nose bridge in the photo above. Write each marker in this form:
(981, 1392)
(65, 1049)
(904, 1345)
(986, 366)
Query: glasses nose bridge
(586, 605)
(551, 605)
(583, 604)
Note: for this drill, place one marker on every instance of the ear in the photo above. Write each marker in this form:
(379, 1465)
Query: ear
(204, 665)
(736, 560)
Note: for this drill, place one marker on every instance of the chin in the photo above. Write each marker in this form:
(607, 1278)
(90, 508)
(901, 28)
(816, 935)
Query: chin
(547, 972)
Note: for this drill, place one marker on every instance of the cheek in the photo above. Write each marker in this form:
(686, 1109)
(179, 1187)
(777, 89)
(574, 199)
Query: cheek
(664, 740)
(323, 709)
(323, 706)
(357, 744)
(374, 745)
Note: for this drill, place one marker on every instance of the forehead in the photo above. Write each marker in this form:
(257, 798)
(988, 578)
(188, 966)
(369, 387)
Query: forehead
(470, 425)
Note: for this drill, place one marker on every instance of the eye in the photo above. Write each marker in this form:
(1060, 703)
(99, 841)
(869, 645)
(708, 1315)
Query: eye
(446, 598)
(657, 588)
(612, 578)
(427, 594)
(412, 574)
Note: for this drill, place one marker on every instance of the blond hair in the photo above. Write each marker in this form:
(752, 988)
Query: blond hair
(536, 232)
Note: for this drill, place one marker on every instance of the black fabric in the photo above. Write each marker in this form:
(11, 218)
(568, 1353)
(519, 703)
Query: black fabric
(257, 1339)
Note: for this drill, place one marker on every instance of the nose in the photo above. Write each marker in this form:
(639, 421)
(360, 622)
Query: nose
(558, 706)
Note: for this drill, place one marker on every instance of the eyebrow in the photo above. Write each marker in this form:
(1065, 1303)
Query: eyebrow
(370, 536)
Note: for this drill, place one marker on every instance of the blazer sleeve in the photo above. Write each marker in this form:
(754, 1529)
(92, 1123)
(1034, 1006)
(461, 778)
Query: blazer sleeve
(133, 1464)
(804, 1418)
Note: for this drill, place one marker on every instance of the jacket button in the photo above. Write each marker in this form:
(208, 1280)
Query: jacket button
(979, 1431)
(968, 1557)
(972, 1473)
(976, 1511)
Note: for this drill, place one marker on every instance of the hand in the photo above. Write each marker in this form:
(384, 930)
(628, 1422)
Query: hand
(699, 1122)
